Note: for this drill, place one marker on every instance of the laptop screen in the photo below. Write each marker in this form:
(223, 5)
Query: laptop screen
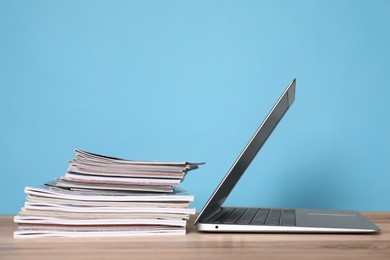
(250, 151)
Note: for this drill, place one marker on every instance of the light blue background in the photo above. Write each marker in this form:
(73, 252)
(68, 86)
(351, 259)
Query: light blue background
(192, 80)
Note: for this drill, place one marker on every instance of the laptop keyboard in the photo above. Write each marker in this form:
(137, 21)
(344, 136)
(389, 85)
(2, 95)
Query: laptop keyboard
(256, 216)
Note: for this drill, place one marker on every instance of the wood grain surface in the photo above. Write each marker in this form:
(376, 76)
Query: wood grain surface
(196, 245)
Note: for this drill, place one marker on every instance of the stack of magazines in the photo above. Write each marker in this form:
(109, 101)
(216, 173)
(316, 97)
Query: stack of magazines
(106, 196)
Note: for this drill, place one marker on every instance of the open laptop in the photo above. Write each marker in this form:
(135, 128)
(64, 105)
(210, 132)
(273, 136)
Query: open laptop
(215, 217)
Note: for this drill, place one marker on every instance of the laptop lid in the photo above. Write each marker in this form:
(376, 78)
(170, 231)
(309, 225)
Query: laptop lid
(249, 153)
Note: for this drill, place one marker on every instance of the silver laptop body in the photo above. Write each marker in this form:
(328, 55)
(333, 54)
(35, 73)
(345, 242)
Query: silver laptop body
(215, 217)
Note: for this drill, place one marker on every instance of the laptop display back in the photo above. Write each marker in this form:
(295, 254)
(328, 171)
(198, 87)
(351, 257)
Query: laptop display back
(248, 154)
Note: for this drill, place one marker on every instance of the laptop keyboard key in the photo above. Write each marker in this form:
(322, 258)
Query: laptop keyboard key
(232, 218)
(260, 217)
(225, 213)
(288, 218)
(247, 217)
(274, 217)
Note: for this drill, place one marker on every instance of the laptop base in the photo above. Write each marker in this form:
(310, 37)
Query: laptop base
(275, 220)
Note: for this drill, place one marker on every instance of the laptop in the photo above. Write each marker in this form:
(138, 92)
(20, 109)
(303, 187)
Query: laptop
(215, 217)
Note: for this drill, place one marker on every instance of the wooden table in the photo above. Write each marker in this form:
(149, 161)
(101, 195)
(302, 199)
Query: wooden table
(197, 245)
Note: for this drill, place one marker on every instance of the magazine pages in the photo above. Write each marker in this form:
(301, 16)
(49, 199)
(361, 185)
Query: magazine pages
(106, 196)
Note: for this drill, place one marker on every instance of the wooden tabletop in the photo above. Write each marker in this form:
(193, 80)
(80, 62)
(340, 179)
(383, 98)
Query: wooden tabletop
(197, 245)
